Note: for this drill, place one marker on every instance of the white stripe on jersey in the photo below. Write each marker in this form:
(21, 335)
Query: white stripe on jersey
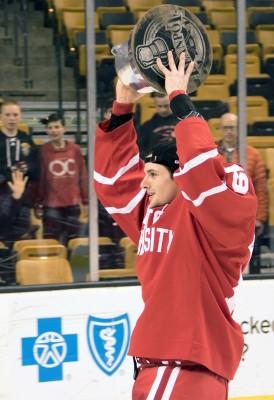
(156, 383)
(130, 206)
(110, 181)
(210, 192)
(198, 160)
(233, 168)
(171, 382)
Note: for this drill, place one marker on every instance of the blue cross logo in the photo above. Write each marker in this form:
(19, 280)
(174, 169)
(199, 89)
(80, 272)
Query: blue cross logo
(49, 349)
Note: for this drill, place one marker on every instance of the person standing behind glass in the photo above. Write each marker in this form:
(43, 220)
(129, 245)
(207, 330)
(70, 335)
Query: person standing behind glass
(63, 183)
(17, 152)
(256, 169)
(255, 166)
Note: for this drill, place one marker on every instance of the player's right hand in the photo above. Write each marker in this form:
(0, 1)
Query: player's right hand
(176, 78)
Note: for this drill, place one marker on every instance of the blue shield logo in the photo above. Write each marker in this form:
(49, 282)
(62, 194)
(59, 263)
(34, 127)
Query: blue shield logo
(108, 340)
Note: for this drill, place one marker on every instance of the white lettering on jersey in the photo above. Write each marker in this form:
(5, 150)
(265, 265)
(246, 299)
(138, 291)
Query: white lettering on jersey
(155, 239)
(146, 218)
(240, 182)
(62, 167)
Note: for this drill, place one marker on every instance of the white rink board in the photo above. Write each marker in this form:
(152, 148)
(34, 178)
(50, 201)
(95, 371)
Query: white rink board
(74, 372)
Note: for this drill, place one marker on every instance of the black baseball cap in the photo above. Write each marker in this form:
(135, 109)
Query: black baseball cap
(164, 153)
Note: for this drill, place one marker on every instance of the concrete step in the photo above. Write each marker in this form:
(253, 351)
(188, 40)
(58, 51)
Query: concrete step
(43, 74)
(35, 18)
(37, 95)
(49, 75)
(7, 52)
(35, 84)
(42, 63)
(36, 38)
(34, 60)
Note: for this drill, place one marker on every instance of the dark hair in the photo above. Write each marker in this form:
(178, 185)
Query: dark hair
(164, 153)
(57, 116)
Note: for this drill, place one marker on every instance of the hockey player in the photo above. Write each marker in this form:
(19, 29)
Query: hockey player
(193, 218)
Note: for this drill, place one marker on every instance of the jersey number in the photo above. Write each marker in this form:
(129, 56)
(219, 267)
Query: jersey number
(240, 182)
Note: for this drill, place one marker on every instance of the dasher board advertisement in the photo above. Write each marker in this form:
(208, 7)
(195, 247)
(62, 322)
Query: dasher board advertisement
(72, 344)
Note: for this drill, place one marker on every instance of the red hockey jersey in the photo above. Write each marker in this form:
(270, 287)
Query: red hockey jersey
(63, 180)
(191, 252)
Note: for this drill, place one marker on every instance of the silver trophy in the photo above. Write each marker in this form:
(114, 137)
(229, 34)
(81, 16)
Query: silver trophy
(163, 28)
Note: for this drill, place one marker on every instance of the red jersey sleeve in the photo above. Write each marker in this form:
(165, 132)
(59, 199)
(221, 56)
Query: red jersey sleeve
(220, 196)
(117, 176)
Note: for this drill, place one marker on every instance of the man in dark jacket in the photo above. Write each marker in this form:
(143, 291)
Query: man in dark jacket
(17, 153)
(159, 128)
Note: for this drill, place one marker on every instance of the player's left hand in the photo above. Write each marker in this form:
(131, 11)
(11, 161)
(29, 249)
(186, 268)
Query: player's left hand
(175, 78)
(126, 94)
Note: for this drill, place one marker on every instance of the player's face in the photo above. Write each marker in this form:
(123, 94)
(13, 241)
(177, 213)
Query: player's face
(162, 106)
(159, 185)
(10, 116)
(56, 131)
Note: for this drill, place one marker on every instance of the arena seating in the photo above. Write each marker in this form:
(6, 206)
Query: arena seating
(113, 22)
(43, 271)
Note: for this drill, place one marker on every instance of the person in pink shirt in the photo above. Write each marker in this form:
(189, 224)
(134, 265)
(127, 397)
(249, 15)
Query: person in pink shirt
(63, 183)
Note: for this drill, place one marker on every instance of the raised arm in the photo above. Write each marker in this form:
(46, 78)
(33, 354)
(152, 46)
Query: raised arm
(220, 196)
(118, 167)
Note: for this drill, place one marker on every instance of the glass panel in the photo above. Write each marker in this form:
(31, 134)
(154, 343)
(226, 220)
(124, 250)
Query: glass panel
(49, 209)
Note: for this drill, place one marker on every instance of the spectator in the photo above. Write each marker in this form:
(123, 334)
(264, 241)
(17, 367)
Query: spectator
(255, 165)
(159, 128)
(257, 171)
(17, 152)
(10, 203)
(63, 183)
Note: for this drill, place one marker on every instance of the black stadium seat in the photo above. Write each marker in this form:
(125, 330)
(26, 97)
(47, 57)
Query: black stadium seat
(230, 37)
(125, 18)
(100, 38)
(203, 17)
(262, 128)
(269, 65)
(259, 3)
(264, 18)
(210, 108)
(256, 86)
(185, 3)
(109, 3)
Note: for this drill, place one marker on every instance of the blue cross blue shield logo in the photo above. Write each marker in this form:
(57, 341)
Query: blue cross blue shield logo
(108, 340)
(50, 349)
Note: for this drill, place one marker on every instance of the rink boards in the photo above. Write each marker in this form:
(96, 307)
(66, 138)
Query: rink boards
(68, 344)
